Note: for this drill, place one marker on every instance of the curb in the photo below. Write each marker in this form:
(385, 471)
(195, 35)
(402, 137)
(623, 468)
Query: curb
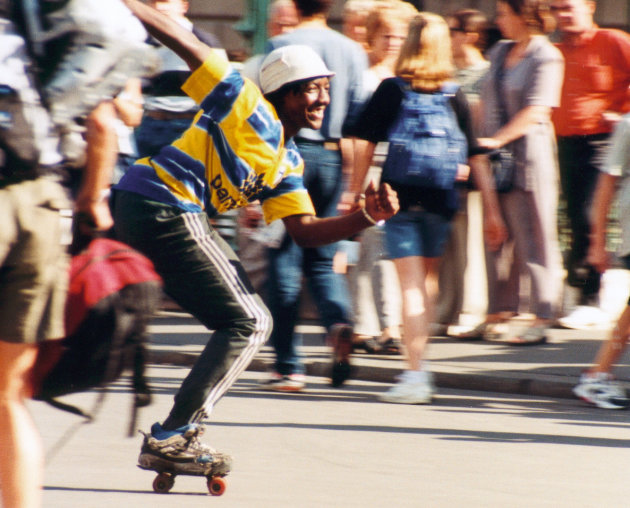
(516, 383)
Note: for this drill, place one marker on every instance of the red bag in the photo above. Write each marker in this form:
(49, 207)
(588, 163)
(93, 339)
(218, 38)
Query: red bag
(114, 290)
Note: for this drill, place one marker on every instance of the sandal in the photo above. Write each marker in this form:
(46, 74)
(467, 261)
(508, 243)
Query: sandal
(366, 343)
(532, 336)
(484, 331)
(372, 346)
(391, 347)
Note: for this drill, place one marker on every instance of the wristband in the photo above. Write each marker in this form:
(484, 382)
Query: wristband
(370, 218)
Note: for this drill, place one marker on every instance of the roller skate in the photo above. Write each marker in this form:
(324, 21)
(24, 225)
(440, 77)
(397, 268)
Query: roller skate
(180, 452)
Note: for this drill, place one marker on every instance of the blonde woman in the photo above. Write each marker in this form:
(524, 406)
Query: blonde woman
(415, 237)
(373, 282)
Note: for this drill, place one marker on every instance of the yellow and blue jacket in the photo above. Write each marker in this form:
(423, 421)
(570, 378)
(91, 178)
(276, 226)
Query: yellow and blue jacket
(233, 153)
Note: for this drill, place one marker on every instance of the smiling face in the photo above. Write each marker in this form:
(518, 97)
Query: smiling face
(304, 106)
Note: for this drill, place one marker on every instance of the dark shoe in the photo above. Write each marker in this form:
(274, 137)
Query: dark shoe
(391, 347)
(483, 331)
(340, 338)
(366, 343)
(372, 346)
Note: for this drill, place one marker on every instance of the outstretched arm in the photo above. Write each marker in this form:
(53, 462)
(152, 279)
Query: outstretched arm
(311, 231)
(182, 41)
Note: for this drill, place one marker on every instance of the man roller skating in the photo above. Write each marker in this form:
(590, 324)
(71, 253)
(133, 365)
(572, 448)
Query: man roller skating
(239, 149)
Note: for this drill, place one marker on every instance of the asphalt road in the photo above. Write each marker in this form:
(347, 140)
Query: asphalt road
(342, 448)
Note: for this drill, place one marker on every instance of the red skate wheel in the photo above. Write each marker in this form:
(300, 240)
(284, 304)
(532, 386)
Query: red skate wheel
(216, 486)
(163, 483)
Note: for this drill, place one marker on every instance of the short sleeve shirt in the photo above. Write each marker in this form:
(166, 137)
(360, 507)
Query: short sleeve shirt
(618, 164)
(536, 80)
(596, 79)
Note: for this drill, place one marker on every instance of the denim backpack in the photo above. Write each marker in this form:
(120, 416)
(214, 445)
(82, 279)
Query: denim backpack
(425, 142)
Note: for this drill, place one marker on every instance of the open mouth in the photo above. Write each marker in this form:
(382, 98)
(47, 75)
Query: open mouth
(316, 115)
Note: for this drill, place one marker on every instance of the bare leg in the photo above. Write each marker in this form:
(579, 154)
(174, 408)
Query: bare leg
(21, 450)
(610, 352)
(419, 285)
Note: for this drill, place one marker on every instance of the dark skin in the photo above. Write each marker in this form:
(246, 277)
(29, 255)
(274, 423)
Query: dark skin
(297, 109)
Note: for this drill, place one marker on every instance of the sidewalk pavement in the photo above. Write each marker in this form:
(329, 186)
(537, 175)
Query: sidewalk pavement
(549, 370)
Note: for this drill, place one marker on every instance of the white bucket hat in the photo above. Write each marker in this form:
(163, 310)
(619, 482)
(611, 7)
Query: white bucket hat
(291, 63)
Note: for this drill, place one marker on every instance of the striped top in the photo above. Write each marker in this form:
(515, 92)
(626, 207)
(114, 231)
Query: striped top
(233, 153)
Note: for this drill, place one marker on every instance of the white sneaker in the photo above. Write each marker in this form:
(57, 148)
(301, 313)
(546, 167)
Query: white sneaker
(414, 387)
(585, 317)
(601, 390)
(287, 383)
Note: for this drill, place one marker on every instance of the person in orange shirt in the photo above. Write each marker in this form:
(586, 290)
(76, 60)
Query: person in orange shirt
(594, 94)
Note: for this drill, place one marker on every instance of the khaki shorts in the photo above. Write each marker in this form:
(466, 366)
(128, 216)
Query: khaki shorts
(33, 263)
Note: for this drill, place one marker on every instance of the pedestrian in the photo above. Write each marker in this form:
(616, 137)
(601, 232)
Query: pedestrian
(281, 18)
(327, 156)
(354, 20)
(129, 106)
(238, 149)
(518, 95)
(373, 280)
(415, 237)
(33, 272)
(254, 237)
(594, 94)
(468, 28)
(33, 259)
(597, 385)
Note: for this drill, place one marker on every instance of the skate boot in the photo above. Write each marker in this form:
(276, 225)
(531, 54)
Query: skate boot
(181, 452)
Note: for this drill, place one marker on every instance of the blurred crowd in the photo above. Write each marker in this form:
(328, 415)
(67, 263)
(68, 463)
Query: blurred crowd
(86, 91)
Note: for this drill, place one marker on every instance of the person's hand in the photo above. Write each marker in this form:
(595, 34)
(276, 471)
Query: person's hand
(494, 231)
(463, 173)
(349, 202)
(489, 143)
(597, 256)
(381, 204)
(340, 262)
(610, 118)
(250, 216)
(95, 214)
